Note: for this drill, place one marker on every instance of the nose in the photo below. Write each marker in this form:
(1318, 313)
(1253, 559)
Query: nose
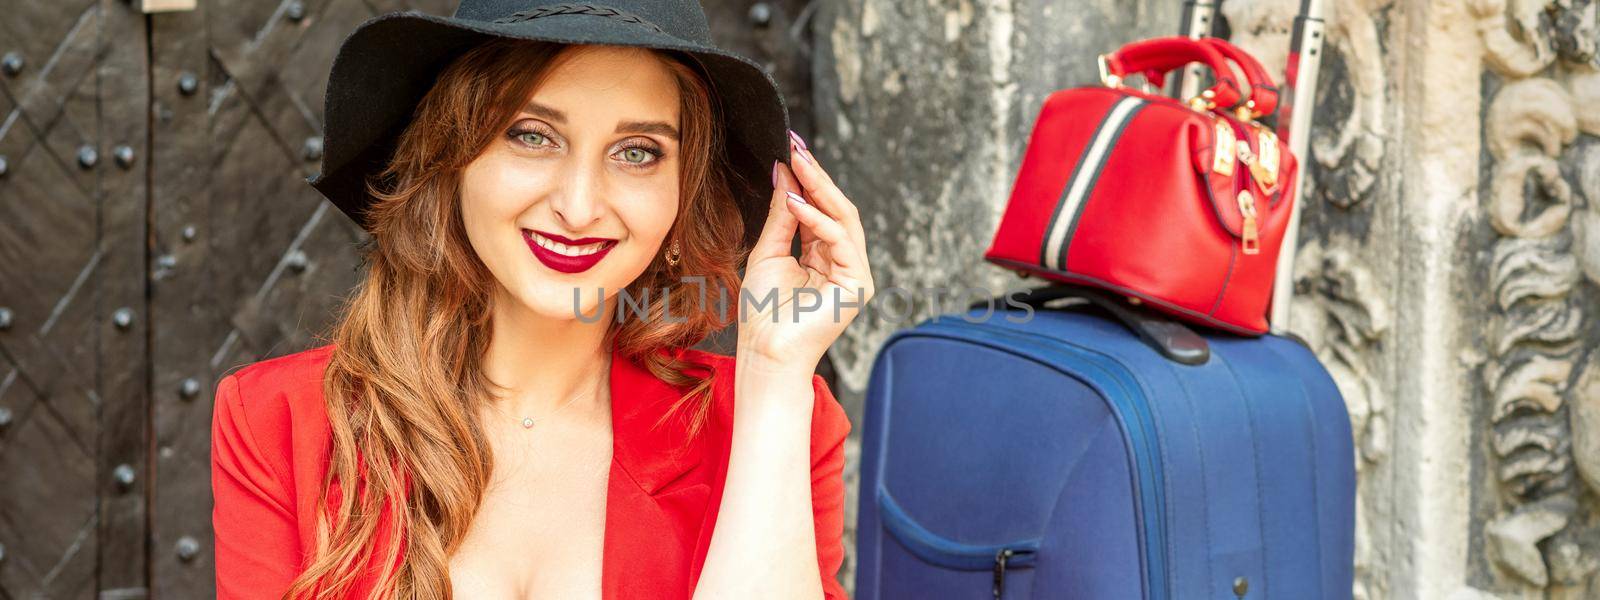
(578, 199)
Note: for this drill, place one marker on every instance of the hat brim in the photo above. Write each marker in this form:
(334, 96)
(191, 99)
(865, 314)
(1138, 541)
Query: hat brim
(385, 67)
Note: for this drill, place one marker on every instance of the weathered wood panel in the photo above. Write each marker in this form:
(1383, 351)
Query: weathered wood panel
(72, 314)
(53, 301)
(124, 147)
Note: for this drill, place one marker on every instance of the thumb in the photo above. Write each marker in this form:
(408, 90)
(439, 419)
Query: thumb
(777, 234)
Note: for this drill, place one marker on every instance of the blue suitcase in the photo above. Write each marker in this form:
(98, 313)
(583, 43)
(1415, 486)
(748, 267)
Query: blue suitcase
(1101, 456)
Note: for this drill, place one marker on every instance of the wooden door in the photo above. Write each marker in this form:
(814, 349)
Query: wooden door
(73, 313)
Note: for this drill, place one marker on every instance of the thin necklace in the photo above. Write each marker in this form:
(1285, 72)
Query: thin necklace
(528, 422)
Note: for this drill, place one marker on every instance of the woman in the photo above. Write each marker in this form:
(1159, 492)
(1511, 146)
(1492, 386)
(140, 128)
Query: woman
(491, 417)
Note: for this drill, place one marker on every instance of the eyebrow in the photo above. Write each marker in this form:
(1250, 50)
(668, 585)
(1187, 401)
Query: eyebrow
(656, 127)
(540, 110)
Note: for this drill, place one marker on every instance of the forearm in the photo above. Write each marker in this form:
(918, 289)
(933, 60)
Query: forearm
(764, 541)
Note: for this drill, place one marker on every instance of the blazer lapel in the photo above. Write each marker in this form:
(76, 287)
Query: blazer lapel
(657, 492)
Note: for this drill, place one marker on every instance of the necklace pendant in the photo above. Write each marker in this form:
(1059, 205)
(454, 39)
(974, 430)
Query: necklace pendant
(527, 422)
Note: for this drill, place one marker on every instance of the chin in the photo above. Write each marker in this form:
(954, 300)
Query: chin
(554, 300)
(551, 295)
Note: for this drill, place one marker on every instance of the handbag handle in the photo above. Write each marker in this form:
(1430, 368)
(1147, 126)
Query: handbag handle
(1154, 57)
(1263, 94)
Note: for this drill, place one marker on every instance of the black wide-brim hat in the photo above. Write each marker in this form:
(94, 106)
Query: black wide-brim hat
(385, 67)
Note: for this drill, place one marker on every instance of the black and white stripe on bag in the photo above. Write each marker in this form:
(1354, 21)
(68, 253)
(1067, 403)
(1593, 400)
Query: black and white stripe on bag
(1065, 218)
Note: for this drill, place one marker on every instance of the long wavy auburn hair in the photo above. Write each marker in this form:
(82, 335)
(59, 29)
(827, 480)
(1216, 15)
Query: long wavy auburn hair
(405, 382)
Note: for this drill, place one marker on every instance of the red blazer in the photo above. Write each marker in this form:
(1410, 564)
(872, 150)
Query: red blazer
(270, 447)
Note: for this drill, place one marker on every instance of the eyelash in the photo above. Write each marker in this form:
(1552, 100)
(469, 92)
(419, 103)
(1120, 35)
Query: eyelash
(516, 134)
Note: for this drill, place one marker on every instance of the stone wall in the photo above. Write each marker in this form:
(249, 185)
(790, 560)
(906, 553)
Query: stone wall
(1448, 261)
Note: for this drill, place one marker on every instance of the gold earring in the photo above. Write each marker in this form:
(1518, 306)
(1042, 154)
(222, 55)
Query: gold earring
(674, 255)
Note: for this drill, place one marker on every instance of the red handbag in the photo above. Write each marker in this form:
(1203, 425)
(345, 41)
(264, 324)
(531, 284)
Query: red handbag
(1180, 206)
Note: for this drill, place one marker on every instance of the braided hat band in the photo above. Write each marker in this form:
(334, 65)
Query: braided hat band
(577, 9)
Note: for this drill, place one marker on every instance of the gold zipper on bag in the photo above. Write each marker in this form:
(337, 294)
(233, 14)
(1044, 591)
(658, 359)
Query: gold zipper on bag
(1263, 168)
(1252, 233)
(1227, 146)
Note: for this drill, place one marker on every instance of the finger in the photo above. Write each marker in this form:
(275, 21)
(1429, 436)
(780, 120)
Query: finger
(851, 220)
(853, 229)
(841, 249)
(826, 196)
(787, 180)
(777, 233)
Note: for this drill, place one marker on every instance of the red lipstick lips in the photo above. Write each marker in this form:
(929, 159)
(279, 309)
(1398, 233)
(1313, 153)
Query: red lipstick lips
(570, 256)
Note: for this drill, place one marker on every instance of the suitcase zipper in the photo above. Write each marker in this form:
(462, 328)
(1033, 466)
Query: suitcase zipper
(1151, 489)
(1000, 560)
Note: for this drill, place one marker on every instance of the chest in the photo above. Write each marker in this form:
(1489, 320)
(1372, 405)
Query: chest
(540, 529)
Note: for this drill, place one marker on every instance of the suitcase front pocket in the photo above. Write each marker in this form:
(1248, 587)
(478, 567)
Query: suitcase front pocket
(950, 554)
(983, 473)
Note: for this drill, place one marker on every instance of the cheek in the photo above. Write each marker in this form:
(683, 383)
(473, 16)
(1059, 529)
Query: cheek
(494, 191)
(490, 202)
(651, 216)
(648, 207)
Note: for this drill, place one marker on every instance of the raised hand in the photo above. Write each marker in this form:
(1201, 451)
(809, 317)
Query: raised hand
(792, 311)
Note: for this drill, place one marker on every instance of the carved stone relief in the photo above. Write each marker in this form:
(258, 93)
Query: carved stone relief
(1541, 382)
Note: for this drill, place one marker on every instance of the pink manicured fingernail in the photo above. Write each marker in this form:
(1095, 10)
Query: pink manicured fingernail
(774, 173)
(796, 197)
(804, 155)
(796, 137)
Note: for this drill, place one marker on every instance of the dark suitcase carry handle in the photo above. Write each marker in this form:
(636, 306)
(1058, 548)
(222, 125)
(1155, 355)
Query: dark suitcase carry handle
(1171, 339)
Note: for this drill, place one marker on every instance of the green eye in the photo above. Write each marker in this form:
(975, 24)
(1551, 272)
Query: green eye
(635, 155)
(537, 137)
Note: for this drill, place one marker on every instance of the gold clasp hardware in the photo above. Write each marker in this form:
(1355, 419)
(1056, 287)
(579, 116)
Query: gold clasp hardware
(1252, 233)
(1110, 80)
(1247, 111)
(1203, 102)
(1268, 159)
(1264, 169)
(1223, 152)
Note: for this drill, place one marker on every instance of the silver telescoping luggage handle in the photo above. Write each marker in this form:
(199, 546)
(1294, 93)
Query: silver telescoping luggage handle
(1294, 124)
